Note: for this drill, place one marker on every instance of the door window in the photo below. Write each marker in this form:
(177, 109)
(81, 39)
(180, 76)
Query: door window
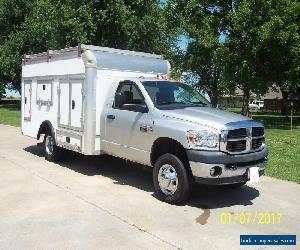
(130, 94)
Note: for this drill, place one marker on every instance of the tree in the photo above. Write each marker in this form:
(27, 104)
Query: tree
(250, 45)
(280, 47)
(263, 37)
(205, 53)
(242, 24)
(43, 24)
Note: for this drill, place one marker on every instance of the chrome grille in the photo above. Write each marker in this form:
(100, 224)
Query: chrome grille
(257, 142)
(236, 146)
(257, 131)
(242, 140)
(237, 133)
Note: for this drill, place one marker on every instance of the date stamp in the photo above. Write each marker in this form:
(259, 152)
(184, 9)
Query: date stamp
(254, 218)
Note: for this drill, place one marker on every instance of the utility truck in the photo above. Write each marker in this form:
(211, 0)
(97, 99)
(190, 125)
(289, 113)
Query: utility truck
(97, 100)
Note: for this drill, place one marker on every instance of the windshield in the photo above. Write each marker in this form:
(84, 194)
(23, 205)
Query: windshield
(173, 95)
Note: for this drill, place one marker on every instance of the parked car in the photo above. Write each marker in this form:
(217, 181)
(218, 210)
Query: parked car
(95, 100)
(257, 104)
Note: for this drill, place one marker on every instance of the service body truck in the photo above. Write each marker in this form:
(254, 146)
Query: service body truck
(97, 100)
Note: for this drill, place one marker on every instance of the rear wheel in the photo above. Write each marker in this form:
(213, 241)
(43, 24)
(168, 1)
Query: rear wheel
(52, 152)
(171, 179)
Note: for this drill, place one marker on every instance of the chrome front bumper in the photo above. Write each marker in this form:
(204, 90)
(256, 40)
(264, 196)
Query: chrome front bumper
(234, 167)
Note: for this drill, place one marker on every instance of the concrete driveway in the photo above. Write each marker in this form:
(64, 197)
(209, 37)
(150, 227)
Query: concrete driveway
(106, 203)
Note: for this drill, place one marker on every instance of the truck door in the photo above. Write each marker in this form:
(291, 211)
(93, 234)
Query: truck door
(126, 130)
(27, 100)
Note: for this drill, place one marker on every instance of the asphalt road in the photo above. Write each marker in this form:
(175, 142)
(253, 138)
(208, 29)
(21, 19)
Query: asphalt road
(107, 203)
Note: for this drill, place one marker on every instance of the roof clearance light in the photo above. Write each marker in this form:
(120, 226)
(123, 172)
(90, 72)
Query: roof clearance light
(162, 77)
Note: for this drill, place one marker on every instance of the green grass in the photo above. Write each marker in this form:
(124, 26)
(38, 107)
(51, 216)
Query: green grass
(10, 114)
(284, 156)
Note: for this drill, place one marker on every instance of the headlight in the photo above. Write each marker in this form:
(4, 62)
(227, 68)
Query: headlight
(203, 139)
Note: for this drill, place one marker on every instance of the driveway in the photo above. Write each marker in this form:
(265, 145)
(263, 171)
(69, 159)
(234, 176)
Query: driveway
(104, 202)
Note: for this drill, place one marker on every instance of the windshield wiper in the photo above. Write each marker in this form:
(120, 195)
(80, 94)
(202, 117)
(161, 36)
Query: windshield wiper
(202, 104)
(167, 103)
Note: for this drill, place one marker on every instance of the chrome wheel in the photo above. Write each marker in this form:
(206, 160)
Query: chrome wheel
(167, 179)
(49, 145)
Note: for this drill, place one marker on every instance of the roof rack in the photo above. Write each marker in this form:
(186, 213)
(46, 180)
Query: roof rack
(73, 52)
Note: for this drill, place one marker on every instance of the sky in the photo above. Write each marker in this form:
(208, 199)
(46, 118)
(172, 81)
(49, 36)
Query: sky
(9, 93)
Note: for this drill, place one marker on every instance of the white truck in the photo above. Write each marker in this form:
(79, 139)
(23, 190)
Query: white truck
(96, 100)
(256, 104)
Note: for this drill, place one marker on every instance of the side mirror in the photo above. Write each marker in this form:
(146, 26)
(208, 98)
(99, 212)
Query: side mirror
(141, 108)
(119, 100)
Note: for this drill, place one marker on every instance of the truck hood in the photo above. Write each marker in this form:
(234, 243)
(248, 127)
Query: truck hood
(205, 116)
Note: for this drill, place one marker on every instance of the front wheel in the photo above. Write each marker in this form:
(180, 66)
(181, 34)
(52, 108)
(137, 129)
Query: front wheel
(52, 152)
(171, 179)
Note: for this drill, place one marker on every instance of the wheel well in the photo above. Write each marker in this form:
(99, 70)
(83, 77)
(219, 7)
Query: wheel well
(46, 128)
(165, 145)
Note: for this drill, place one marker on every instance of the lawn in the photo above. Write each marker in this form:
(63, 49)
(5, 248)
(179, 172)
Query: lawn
(284, 154)
(10, 114)
(284, 147)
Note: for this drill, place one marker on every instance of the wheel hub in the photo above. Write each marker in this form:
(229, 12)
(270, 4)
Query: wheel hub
(49, 145)
(167, 179)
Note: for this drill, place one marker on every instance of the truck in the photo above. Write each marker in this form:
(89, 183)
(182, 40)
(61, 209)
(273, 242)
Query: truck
(96, 100)
(256, 104)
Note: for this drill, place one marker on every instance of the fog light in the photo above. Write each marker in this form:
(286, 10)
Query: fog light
(215, 171)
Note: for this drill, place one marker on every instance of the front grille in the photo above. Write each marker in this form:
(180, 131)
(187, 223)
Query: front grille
(237, 133)
(236, 146)
(242, 140)
(257, 142)
(257, 131)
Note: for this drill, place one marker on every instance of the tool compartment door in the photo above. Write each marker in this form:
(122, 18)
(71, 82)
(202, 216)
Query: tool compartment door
(64, 103)
(27, 100)
(76, 103)
(44, 92)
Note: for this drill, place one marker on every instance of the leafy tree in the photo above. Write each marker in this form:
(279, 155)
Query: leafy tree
(263, 38)
(2, 90)
(205, 53)
(280, 47)
(244, 44)
(42, 24)
(243, 66)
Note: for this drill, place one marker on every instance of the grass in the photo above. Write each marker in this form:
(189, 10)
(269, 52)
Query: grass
(10, 114)
(284, 156)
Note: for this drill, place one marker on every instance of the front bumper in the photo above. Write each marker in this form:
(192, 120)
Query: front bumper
(234, 167)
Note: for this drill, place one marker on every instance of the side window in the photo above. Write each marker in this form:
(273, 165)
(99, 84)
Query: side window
(129, 93)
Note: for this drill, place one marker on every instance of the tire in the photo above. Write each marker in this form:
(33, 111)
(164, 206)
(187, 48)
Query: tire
(53, 153)
(176, 187)
(235, 185)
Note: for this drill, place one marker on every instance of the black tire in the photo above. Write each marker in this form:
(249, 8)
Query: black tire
(235, 185)
(183, 183)
(53, 153)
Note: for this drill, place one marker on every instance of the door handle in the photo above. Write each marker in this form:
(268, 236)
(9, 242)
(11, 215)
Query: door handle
(111, 117)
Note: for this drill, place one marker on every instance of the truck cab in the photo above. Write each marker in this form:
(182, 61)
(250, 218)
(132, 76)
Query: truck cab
(170, 126)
